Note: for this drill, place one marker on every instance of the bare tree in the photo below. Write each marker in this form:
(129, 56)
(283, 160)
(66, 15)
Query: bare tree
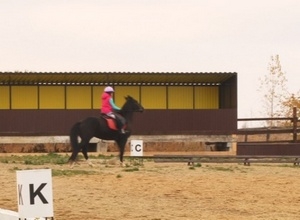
(273, 87)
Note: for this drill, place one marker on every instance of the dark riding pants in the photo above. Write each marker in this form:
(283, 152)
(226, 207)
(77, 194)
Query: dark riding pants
(120, 120)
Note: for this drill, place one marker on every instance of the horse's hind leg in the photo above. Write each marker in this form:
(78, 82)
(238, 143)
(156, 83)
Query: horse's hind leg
(75, 152)
(72, 159)
(85, 154)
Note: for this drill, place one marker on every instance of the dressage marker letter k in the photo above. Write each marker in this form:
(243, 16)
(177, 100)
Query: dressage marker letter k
(37, 193)
(20, 194)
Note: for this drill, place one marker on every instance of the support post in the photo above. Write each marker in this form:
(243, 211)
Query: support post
(295, 120)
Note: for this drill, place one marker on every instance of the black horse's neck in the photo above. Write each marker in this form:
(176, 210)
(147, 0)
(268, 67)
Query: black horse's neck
(126, 113)
(129, 107)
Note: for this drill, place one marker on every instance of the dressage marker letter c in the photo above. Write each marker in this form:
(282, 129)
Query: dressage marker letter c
(138, 148)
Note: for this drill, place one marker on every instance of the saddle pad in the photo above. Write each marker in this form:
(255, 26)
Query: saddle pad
(111, 123)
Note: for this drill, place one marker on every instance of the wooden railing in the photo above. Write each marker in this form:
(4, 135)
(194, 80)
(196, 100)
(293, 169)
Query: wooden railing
(293, 129)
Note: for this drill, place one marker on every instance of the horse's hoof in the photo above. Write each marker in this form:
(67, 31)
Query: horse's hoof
(122, 164)
(90, 163)
(72, 165)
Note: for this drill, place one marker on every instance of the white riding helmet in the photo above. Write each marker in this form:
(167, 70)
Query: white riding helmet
(109, 89)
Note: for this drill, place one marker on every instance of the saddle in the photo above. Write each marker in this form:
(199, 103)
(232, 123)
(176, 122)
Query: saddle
(111, 122)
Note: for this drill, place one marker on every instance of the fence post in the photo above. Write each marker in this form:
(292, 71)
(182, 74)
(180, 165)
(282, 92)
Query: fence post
(295, 119)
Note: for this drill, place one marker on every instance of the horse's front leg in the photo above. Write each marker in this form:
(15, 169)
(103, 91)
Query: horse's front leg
(122, 144)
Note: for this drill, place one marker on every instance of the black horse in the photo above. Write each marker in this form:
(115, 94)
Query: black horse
(98, 127)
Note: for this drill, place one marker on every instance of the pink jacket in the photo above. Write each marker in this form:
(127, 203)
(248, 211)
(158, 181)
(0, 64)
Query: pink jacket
(106, 106)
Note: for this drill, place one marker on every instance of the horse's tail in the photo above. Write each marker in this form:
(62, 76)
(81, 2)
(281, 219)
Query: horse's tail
(75, 131)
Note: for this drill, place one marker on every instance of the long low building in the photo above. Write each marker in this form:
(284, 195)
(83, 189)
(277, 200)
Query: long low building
(49, 103)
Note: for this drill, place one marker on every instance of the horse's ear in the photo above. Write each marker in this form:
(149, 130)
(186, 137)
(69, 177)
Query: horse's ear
(128, 97)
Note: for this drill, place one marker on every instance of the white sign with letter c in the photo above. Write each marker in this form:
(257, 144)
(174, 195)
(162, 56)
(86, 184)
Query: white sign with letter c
(136, 148)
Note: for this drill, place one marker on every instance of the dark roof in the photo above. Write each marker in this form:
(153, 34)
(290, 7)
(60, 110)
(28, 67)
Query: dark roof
(114, 78)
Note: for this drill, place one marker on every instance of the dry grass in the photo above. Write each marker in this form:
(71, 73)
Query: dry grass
(165, 191)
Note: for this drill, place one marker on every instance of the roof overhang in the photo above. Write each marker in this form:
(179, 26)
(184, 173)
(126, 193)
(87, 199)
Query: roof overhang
(114, 78)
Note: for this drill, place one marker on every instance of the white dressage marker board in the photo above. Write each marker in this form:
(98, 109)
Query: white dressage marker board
(11, 215)
(34, 192)
(136, 148)
(8, 215)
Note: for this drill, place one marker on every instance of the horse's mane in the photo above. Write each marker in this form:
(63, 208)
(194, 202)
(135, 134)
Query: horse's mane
(128, 103)
(130, 106)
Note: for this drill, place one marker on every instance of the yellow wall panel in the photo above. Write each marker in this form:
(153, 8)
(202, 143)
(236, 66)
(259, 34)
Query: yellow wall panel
(154, 97)
(207, 97)
(4, 97)
(180, 97)
(122, 91)
(79, 97)
(87, 97)
(97, 92)
(24, 97)
(52, 97)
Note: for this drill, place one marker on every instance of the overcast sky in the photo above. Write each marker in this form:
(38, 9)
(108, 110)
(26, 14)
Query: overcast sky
(155, 36)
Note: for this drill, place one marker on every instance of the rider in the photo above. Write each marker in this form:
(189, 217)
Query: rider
(109, 107)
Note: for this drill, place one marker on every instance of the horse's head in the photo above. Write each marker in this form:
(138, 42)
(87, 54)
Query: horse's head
(132, 105)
